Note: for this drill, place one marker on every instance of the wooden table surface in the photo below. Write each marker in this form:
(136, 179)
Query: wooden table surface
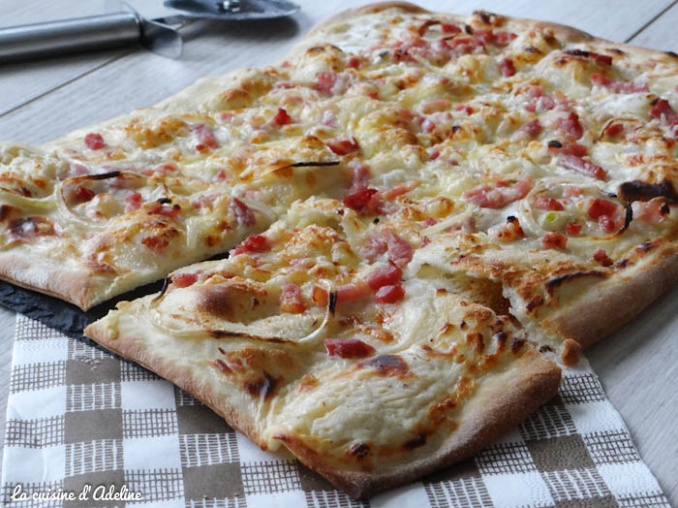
(638, 365)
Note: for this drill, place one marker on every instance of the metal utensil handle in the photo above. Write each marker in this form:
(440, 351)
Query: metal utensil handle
(68, 36)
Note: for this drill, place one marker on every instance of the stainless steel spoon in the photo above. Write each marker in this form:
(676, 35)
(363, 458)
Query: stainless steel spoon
(127, 27)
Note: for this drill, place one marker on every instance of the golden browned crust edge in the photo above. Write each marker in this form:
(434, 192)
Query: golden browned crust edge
(604, 308)
(356, 12)
(142, 353)
(76, 285)
(500, 404)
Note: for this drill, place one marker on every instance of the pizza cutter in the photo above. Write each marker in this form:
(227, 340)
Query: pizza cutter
(127, 27)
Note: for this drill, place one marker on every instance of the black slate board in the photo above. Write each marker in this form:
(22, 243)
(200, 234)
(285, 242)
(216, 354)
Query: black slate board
(58, 314)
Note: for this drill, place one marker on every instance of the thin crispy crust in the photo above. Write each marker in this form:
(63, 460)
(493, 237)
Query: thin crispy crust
(502, 401)
(77, 285)
(609, 305)
(145, 354)
(499, 405)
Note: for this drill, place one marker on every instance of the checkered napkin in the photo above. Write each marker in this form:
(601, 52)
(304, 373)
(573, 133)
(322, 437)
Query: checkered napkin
(85, 428)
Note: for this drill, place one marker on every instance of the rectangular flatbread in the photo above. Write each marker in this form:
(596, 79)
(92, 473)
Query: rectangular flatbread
(421, 214)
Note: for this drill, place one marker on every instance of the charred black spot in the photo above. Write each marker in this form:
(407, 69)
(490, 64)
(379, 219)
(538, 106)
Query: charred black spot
(556, 282)
(311, 164)
(359, 451)
(622, 263)
(628, 218)
(262, 387)
(101, 176)
(577, 52)
(416, 442)
(517, 345)
(485, 17)
(164, 201)
(29, 227)
(468, 29)
(388, 365)
(554, 143)
(455, 128)
(537, 301)
(545, 349)
(637, 190)
(332, 302)
(648, 246)
(672, 54)
(501, 338)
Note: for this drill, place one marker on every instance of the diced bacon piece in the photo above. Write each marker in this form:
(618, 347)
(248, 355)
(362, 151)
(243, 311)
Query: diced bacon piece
(662, 111)
(325, 82)
(502, 38)
(165, 208)
(654, 211)
(607, 213)
(554, 241)
(600, 207)
(398, 250)
(536, 100)
(133, 201)
(385, 275)
(282, 118)
(573, 229)
(530, 130)
(354, 62)
(79, 194)
(582, 166)
(600, 256)
(205, 137)
(614, 129)
(507, 67)
(570, 125)
(576, 149)
(450, 29)
(347, 293)
(243, 213)
(359, 200)
(348, 348)
(360, 177)
(184, 280)
(616, 86)
(550, 204)
(390, 294)
(252, 244)
(95, 141)
(396, 191)
(465, 108)
(291, 300)
(498, 195)
(497, 38)
(343, 146)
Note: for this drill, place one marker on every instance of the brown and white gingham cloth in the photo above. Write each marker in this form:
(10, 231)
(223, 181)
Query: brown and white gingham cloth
(87, 429)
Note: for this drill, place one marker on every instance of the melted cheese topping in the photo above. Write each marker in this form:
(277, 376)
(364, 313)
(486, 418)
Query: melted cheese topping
(405, 182)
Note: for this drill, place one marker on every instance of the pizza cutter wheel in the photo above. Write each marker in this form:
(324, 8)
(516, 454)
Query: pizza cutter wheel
(127, 27)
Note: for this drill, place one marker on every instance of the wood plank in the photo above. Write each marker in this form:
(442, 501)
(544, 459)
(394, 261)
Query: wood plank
(638, 365)
(660, 34)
